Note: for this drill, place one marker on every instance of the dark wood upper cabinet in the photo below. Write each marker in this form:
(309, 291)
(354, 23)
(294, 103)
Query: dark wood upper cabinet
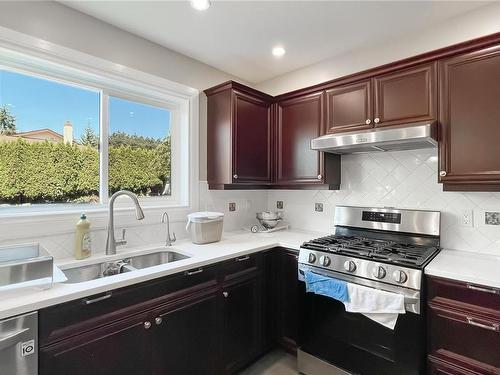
(349, 107)
(299, 120)
(406, 96)
(239, 142)
(469, 116)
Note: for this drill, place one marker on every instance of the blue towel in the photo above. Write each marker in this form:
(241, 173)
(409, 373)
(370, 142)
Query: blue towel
(326, 286)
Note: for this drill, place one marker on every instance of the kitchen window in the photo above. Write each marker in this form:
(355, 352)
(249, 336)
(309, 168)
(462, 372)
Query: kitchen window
(70, 139)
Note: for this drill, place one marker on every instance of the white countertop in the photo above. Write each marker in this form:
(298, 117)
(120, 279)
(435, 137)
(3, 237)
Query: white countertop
(233, 244)
(459, 265)
(466, 266)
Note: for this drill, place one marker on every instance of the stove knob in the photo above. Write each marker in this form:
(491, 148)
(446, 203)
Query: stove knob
(379, 272)
(350, 266)
(324, 260)
(400, 276)
(311, 258)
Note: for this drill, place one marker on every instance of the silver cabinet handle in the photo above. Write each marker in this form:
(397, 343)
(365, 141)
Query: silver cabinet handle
(225, 294)
(492, 327)
(442, 173)
(189, 273)
(147, 325)
(481, 289)
(235, 176)
(320, 177)
(158, 320)
(242, 259)
(368, 121)
(89, 301)
(376, 120)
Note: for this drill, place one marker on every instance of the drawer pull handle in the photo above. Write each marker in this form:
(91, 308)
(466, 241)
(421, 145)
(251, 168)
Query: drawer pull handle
(242, 259)
(199, 270)
(88, 301)
(491, 327)
(481, 289)
(225, 294)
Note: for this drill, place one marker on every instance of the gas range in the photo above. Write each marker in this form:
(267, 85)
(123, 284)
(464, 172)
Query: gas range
(386, 245)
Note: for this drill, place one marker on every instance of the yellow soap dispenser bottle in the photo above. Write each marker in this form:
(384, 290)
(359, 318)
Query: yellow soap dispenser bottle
(82, 238)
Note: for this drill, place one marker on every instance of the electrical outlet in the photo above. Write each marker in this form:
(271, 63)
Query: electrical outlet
(232, 206)
(467, 218)
(491, 218)
(318, 207)
(279, 205)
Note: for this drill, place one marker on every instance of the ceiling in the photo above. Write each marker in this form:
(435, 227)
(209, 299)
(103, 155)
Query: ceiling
(237, 36)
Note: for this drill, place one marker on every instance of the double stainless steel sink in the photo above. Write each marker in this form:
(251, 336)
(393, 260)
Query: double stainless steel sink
(129, 264)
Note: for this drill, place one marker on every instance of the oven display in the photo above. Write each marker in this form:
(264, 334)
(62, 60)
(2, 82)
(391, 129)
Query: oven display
(382, 217)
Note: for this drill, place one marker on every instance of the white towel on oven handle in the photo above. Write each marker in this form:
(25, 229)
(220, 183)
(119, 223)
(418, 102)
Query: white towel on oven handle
(378, 305)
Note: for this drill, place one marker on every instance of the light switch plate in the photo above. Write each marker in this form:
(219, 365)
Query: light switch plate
(232, 206)
(279, 205)
(318, 207)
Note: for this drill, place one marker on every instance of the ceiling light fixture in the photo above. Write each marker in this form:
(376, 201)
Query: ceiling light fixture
(278, 51)
(200, 4)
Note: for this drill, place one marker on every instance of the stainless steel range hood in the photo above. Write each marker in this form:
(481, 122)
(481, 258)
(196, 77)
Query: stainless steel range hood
(408, 137)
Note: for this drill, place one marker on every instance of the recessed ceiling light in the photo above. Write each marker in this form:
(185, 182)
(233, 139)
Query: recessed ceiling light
(278, 51)
(200, 4)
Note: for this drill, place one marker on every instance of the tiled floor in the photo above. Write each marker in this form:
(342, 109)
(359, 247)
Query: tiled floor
(275, 363)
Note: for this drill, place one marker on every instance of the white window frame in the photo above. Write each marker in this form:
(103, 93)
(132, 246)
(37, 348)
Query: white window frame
(32, 56)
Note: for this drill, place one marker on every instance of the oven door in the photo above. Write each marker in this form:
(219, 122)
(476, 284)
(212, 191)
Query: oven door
(358, 345)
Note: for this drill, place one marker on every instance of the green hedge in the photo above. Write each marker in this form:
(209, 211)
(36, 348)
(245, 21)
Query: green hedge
(41, 172)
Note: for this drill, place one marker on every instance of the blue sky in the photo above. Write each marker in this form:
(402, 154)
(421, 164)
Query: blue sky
(39, 103)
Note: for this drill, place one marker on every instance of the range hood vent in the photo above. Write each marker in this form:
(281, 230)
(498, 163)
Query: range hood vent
(408, 137)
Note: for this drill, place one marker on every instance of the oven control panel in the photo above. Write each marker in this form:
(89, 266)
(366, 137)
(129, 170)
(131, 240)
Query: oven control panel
(396, 275)
(382, 217)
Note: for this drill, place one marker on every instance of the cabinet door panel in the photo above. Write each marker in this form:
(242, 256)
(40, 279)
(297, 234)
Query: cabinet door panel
(185, 342)
(120, 348)
(252, 139)
(299, 120)
(469, 92)
(406, 96)
(349, 107)
(242, 324)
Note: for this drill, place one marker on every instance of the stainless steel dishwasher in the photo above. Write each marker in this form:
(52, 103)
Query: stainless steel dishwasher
(19, 345)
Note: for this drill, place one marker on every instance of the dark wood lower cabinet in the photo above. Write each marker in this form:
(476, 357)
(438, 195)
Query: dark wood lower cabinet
(463, 328)
(242, 323)
(185, 337)
(119, 348)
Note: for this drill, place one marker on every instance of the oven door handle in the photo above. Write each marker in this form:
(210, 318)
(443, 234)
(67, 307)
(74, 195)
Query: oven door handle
(411, 303)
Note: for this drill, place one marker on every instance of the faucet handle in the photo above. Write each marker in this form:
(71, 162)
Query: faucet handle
(124, 231)
(122, 241)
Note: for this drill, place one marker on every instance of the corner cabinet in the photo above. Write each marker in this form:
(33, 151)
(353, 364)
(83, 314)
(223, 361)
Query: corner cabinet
(239, 142)
(298, 120)
(469, 95)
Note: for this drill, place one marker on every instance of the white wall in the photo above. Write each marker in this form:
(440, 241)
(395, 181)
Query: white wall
(64, 26)
(482, 21)
(404, 179)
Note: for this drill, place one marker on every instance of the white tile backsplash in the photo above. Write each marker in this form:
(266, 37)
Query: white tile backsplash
(403, 179)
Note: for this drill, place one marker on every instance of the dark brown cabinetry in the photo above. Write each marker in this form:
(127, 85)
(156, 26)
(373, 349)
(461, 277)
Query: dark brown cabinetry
(206, 321)
(406, 96)
(185, 336)
(298, 120)
(469, 116)
(349, 107)
(239, 143)
(242, 322)
(400, 97)
(123, 347)
(290, 300)
(463, 328)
